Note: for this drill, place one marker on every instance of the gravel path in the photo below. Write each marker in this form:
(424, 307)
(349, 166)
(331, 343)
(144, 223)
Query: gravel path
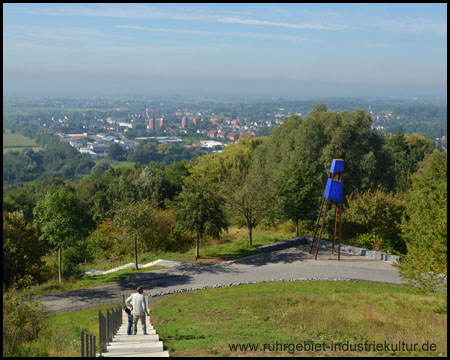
(292, 263)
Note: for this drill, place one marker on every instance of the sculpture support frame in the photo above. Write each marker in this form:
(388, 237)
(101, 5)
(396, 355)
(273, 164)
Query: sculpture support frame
(338, 164)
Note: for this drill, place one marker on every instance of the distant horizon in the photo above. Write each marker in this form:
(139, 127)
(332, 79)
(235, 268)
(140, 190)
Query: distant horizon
(217, 97)
(226, 50)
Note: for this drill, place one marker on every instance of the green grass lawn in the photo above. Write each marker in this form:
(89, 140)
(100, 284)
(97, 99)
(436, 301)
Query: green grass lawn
(231, 245)
(18, 142)
(207, 322)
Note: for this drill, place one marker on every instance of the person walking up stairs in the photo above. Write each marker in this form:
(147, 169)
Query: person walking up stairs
(139, 344)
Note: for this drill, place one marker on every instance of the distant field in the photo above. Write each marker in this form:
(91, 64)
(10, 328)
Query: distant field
(24, 109)
(18, 142)
(116, 164)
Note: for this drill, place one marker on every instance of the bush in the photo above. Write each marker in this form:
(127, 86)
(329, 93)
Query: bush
(377, 214)
(22, 323)
(22, 248)
(364, 241)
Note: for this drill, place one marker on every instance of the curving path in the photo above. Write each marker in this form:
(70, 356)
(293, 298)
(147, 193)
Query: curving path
(283, 264)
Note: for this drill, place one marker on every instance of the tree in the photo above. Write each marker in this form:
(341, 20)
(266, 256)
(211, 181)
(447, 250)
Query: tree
(398, 146)
(248, 199)
(425, 225)
(153, 185)
(297, 193)
(200, 208)
(246, 195)
(139, 222)
(407, 152)
(323, 136)
(115, 152)
(175, 173)
(22, 248)
(61, 220)
(22, 200)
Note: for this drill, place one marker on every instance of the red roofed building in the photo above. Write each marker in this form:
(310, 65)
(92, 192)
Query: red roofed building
(212, 133)
(233, 136)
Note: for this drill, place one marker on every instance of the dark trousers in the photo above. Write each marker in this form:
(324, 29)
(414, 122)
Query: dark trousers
(130, 324)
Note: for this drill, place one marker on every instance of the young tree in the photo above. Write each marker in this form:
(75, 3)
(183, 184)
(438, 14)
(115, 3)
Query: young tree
(139, 222)
(61, 220)
(297, 192)
(425, 225)
(200, 208)
(248, 199)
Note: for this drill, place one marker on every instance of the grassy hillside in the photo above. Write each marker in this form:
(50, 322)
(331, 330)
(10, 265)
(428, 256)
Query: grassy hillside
(210, 322)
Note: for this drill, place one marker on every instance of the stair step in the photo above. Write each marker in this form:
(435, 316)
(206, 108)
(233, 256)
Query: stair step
(139, 345)
(137, 354)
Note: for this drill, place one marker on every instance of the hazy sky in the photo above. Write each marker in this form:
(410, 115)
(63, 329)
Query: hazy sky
(303, 50)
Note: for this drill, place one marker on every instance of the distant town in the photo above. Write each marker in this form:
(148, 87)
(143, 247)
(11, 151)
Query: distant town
(93, 125)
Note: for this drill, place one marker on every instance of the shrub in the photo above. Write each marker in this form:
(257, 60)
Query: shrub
(22, 323)
(378, 214)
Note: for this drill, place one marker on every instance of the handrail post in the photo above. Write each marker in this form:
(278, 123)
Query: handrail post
(90, 345)
(108, 325)
(102, 332)
(82, 344)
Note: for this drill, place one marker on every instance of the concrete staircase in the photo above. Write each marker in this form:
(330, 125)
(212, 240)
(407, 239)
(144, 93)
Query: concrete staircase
(139, 345)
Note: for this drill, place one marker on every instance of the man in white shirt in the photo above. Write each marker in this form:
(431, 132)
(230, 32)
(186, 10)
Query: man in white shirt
(139, 303)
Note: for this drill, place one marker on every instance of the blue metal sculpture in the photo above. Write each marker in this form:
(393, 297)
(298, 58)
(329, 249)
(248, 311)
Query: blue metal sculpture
(334, 191)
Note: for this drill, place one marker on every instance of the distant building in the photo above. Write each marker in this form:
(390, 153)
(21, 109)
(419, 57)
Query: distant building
(77, 144)
(124, 124)
(99, 148)
(127, 144)
(246, 134)
(208, 144)
(196, 122)
(90, 152)
(110, 138)
(184, 122)
(102, 135)
(77, 135)
(151, 124)
(212, 133)
(233, 136)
